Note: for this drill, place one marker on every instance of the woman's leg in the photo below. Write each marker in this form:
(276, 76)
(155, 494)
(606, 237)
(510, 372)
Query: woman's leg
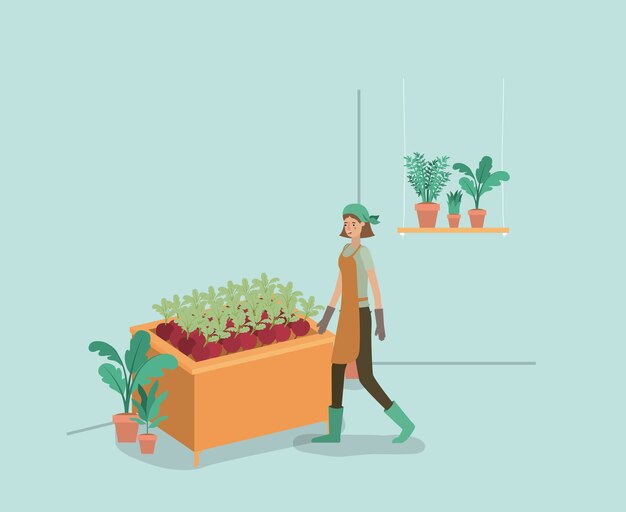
(335, 411)
(338, 371)
(364, 361)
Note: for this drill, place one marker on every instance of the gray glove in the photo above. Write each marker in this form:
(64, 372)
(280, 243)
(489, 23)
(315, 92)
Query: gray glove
(380, 324)
(321, 327)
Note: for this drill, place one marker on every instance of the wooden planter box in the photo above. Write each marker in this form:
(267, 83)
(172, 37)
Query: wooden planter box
(246, 394)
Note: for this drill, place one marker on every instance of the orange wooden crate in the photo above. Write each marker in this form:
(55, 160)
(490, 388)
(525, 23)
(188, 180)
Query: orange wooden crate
(246, 394)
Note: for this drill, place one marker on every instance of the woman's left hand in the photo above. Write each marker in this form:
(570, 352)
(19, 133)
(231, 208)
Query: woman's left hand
(380, 324)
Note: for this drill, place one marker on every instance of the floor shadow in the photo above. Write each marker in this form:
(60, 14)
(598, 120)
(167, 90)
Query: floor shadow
(352, 384)
(353, 445)
(171, 454)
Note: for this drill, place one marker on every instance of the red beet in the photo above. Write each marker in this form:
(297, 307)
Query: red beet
(176, 337)
(186, 345)
(230, 324)
(164, 331)
(231, 344)
(266, 336)
(264, 315)
(247, 340)
(215, 349)
(197, 337)
(201, 352)
(282, 332)
(301, 327)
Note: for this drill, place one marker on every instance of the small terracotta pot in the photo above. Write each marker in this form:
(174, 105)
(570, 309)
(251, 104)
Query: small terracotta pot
(351, 371)
(477, 217)
(427, 214)
(125, 428)
(453, 220)
(146, 443)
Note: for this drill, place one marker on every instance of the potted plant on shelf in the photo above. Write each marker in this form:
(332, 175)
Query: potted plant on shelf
(483, 181)
(428, 179)
(136, 369)
(148, 411)
(454, 206)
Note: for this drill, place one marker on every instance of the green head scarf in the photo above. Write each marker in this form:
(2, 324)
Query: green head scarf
(360, 212)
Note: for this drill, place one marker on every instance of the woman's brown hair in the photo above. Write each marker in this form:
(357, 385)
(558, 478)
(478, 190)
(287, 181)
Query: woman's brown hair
(366, 232)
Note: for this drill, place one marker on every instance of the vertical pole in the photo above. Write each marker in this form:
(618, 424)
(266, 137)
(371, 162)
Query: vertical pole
(358, 145)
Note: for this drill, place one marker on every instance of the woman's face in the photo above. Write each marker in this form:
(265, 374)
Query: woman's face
(353, 227)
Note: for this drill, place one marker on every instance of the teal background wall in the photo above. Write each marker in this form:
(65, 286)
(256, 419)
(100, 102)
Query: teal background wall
(152, 147)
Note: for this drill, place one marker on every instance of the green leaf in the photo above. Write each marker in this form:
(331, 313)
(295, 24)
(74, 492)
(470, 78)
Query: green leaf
(137, 354)
(142, 394)
(156, 422)
(151, 395)
(153, 368)
(141, 410)
(464, 169)
(105, 350)
(484, 168)
(156, 405)
(494, 180)
(138, 420)
(112, 376)
(468, 186)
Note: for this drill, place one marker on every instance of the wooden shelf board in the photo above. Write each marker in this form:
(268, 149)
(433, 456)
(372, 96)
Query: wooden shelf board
(453, 230)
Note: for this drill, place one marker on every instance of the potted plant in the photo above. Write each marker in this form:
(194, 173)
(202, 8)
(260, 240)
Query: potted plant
(483, 181)
(136, 369)
(454, 205)
(428, 179)
(148, 411)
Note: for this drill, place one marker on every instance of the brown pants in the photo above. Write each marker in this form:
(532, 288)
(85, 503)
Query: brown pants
(363, 365)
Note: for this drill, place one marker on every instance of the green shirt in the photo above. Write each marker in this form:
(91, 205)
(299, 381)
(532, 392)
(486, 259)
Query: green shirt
(364, 263)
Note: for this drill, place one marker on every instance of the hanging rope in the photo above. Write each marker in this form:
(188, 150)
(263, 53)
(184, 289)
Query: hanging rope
(403, 155)
(358, 145)
(502, 155)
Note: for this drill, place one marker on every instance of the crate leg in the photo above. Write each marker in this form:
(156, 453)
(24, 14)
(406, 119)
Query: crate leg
(196, 459)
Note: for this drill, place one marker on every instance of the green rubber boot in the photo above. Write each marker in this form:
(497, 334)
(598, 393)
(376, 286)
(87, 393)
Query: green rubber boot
(334, 426)
(402, 420)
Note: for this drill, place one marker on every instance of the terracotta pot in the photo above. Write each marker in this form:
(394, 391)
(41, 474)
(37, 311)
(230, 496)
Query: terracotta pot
(125, 428)
(146, 443)
(427, 214)
(351, 371)
(453, 220)
(477, 217)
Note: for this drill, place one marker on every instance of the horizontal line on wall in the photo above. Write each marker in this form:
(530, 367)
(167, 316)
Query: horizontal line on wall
(456, 363)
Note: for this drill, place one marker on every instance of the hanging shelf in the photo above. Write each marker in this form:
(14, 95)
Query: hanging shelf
(453, 230)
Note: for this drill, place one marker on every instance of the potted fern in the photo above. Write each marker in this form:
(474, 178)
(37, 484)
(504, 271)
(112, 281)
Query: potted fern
(136, 369)
(483, 181)
(427, 179)
(148, 412)
(454, 205)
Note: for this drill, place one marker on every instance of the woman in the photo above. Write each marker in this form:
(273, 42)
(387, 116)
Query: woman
(353, 340)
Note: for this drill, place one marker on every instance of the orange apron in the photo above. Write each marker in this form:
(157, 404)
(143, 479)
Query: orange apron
(347, 338)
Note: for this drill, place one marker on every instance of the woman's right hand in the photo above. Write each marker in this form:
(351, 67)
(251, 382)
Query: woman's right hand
(323, 324)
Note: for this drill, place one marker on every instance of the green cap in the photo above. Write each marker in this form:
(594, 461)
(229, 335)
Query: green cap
(361, 213)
